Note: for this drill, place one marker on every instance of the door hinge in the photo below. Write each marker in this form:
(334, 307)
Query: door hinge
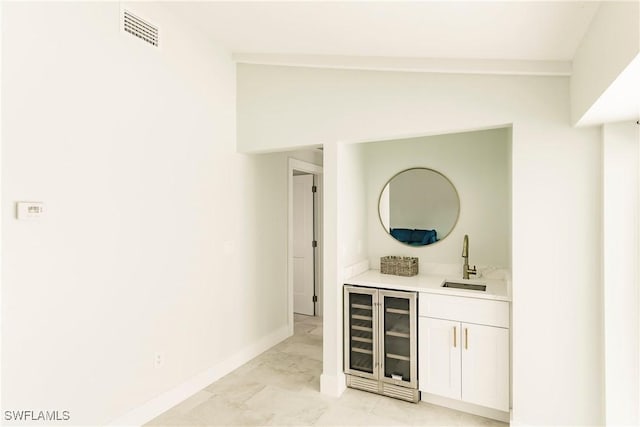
(314, 244)
(314, 189)
(315, 298)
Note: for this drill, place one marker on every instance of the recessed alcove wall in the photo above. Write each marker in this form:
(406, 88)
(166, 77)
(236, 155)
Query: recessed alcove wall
(556, 204)
(479, 166)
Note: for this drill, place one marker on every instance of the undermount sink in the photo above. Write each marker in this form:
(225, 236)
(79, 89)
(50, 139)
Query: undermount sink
(467, 286)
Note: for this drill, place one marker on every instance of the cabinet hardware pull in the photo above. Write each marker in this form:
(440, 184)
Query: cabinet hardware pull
(466, 338)
(455, 336)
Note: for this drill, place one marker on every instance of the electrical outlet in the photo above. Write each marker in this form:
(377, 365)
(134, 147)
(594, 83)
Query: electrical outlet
(158, 360)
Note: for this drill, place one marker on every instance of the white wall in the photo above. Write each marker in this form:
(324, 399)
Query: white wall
(556, 190)
(607, 49)
(345, 245)
(384, 209)
(353, 194)
(477, 165)
(150, 241)
(621, 175)
(352, 229)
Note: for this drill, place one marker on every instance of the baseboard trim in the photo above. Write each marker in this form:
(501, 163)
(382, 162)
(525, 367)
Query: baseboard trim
(154, 407)
(470, 408)
(333, 385)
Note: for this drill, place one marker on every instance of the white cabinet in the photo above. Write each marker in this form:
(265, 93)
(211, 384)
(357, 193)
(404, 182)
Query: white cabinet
(485, 366)
(439, 357)
(458, 356)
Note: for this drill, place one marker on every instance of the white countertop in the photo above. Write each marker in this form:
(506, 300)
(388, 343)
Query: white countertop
(496, 289)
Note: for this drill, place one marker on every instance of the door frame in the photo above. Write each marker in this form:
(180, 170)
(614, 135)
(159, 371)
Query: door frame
(302, 166)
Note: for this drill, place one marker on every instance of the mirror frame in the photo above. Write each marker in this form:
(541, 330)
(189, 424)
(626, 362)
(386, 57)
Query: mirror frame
(455, 223)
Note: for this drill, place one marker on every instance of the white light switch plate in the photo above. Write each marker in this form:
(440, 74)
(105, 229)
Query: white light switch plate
(30, 210)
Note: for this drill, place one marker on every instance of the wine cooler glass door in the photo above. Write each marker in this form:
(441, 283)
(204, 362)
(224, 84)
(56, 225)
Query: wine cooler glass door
(398, 333)
(360, 332)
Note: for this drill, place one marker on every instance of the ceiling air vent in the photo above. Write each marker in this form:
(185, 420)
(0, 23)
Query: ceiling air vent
(139, 28)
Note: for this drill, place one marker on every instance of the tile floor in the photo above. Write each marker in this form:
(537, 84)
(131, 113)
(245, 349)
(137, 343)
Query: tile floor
(281, 388)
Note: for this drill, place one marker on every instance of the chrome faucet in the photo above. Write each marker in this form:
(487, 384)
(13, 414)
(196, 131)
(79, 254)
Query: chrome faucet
(466, 271)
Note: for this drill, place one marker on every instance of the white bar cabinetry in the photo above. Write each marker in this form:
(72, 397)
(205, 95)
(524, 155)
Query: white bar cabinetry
(463, 349)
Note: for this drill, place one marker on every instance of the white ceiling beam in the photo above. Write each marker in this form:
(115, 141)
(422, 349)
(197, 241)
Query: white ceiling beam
(426, 65)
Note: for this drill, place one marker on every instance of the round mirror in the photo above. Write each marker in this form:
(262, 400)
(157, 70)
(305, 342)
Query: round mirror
(419, 207)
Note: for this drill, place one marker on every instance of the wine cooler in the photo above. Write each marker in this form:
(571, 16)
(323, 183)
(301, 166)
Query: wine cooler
(380, 347)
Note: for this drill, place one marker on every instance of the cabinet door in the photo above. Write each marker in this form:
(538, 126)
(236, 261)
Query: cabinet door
(398, 347)
(439, 346)
(360, 334)
(485, 366)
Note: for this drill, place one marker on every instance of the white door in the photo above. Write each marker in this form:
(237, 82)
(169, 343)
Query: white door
(485, 366)
(303, 262)
(439, 366)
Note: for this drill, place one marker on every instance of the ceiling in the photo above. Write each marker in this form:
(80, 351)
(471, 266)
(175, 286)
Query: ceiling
(478, 36)
(507, 30)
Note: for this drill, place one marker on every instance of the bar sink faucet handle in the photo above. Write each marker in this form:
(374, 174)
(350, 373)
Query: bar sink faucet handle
(466, 271)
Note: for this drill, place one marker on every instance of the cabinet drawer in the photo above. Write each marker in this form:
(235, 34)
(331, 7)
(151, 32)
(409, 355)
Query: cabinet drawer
(472, 310)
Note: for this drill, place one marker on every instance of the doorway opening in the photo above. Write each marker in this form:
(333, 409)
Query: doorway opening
(304, 240)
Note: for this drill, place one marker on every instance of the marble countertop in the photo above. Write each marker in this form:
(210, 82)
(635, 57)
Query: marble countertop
(497, 289)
